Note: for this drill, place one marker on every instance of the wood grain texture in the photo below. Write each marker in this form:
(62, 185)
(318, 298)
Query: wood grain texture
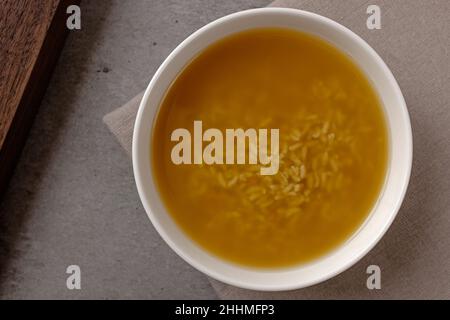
(32, 33)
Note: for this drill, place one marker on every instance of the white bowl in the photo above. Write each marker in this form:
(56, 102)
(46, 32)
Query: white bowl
(384, 211)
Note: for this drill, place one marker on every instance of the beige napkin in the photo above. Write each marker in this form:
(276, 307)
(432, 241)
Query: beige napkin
(414, 256)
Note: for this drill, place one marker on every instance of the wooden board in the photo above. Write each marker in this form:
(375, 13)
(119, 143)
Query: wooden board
(32, 34)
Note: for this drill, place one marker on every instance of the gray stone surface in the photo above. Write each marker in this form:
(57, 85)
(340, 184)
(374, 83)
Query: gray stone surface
(72, 199)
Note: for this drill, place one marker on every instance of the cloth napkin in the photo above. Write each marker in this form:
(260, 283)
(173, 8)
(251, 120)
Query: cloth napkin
(414, 255)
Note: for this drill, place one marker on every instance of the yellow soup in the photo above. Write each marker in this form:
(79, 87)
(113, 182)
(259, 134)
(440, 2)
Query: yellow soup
(333, 148)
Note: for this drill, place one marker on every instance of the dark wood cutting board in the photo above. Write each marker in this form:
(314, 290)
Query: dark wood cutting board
(32, 34)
